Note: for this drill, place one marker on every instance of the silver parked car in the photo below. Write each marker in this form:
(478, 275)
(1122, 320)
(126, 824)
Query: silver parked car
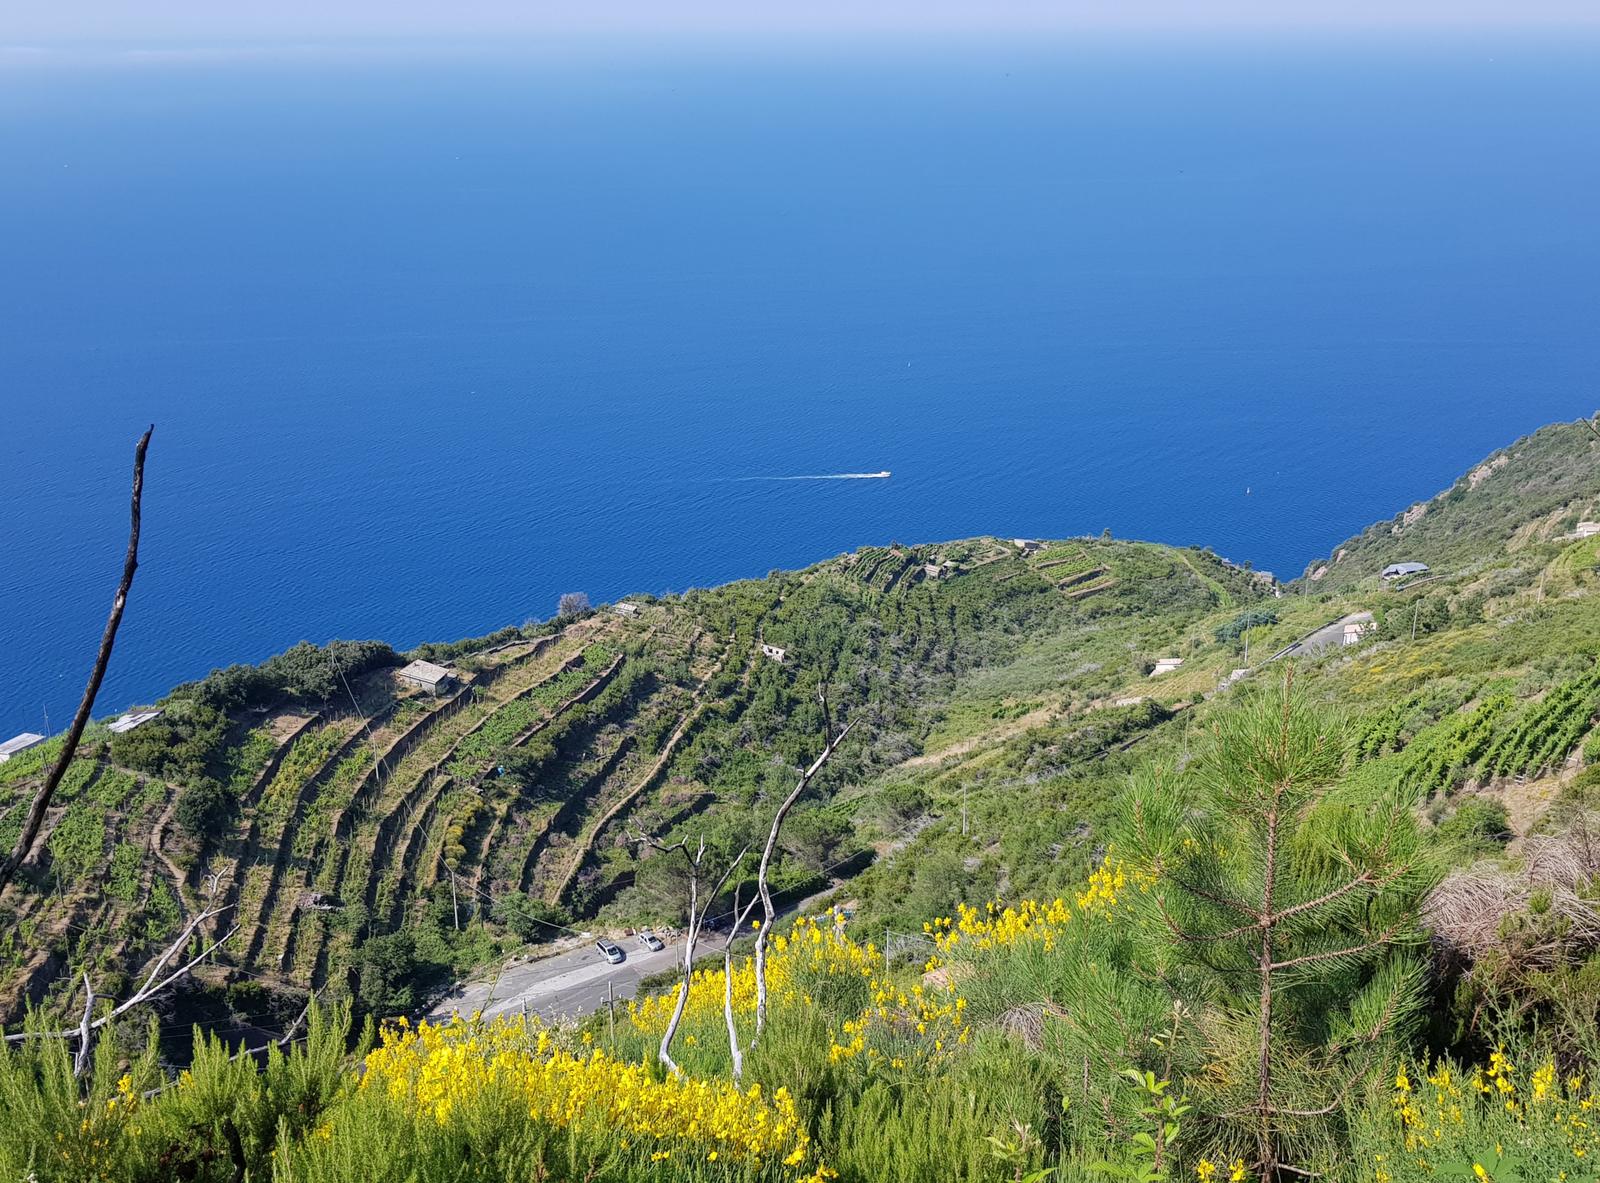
(611, 951)
(650, 941)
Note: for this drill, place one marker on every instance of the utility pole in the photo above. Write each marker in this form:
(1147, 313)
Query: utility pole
(611, 1012)
(1417, 607)
(963, 811)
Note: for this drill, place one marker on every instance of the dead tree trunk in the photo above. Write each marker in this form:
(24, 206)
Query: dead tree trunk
(41, 800)
(740, 915)
(698, 909)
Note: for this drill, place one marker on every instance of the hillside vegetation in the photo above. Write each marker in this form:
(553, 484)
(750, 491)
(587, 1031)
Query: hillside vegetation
(1330, 913)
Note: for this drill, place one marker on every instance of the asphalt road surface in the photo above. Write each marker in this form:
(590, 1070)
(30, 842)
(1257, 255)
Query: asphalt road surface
(566, 985)
(1328, 636)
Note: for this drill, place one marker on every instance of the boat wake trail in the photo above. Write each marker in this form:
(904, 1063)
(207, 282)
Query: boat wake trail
(829, 476)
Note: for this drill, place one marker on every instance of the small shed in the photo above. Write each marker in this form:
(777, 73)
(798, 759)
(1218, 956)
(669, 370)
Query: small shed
(625, 608)
(775, 652)
(1027, 545)
(18, 744)
(126, 723)
(434, 679)
(1401, 570)
(1165, 665)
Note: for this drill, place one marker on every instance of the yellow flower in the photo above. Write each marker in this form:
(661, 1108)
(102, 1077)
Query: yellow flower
(441, 1071)
(1205, 1170)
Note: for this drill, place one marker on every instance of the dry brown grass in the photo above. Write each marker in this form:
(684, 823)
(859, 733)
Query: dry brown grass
(1543, 912)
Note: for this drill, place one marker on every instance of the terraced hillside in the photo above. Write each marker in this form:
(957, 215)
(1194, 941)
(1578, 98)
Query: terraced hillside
(338, 817)
(374, 840)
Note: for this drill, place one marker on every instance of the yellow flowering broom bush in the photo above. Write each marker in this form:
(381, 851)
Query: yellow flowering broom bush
(1507, 1121)
(808, 962)
(503, 1100)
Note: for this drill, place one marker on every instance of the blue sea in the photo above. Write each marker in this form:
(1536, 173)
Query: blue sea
(431, 336)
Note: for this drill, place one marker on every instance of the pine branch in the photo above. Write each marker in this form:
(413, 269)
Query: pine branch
(1384, 938)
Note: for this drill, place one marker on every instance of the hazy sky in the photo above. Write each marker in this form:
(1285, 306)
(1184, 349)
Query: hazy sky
(233, 20)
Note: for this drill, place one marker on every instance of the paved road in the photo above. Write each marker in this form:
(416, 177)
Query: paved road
(1329, 636)
(566, 985)
(578, 982)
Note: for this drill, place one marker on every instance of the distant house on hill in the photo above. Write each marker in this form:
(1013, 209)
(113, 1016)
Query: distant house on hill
(1401, 570)
(1027, 545)
(624, 608)
(775, 652)
(424, 675)
(1165, 665)
(126, 723)
(18, 744)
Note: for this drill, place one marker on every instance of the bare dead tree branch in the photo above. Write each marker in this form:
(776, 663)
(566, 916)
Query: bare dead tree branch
(740, 916)
(769, 914)
(698, 910)
(155, 982)
(47, 791)
(80, 1063)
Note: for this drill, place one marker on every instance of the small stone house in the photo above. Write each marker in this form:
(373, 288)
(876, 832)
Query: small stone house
(425, 676)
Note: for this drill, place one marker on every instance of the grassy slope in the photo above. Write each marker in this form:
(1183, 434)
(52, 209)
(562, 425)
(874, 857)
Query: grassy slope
(1535, 489)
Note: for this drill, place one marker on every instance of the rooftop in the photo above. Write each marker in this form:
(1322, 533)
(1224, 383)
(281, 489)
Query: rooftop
(132, 719)
(425, 672)
(1394, 569)
(20, 743)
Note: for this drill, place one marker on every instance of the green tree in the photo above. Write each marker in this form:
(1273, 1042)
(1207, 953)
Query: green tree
(530, 918)
(385, 975)
(202, 808)
(1281, 910)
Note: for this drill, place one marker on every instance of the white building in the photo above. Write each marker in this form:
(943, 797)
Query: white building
(774, 652)
(424, 675)
(126, 723)
(625, 609)
(18, 744)
(1165, 665)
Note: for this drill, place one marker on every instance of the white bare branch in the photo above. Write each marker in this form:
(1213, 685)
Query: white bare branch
(698, 909)
(155, 982)
(769, 914)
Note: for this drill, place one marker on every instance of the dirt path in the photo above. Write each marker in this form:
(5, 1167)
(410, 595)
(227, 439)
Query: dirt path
(1000, 733)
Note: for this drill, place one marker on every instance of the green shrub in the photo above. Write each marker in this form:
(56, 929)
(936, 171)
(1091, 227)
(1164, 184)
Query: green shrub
(1478, 824)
